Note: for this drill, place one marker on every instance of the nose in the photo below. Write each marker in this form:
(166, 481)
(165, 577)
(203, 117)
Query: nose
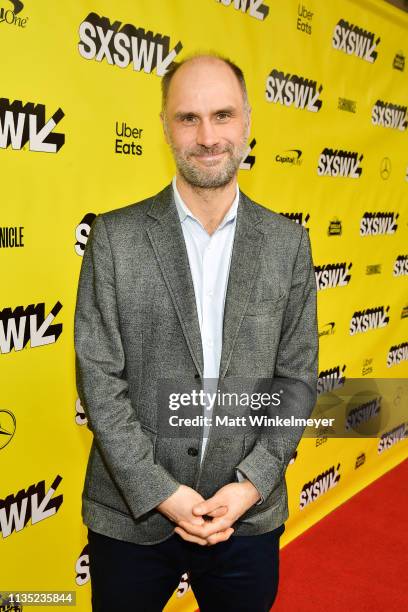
(207, 134)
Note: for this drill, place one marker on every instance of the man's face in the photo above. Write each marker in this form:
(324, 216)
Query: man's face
(206, 123)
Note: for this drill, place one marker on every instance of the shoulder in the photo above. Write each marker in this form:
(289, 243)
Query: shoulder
(134, 216)
(135, 210)
(273, 221)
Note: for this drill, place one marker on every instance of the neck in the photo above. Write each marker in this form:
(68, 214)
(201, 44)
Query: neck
(209, 205)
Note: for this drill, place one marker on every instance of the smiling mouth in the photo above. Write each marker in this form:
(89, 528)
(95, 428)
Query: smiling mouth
(210, 157)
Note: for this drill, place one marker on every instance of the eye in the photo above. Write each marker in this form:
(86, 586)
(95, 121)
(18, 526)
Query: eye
(223, 116)
(188, 118)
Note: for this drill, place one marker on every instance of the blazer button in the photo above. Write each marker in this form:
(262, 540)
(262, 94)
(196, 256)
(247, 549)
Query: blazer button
(196, 376)
(192, 451)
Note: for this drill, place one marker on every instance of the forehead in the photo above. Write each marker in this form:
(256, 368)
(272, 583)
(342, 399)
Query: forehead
(201, 83)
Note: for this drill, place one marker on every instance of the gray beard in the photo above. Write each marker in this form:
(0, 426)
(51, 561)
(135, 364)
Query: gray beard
(210, 178)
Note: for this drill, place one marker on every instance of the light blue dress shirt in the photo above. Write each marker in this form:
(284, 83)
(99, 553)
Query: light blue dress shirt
(209, 258)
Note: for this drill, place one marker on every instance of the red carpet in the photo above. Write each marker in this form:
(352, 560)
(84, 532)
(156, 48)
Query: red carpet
(356, 558)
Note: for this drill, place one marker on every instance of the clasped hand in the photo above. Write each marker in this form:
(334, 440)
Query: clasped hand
(208, 521)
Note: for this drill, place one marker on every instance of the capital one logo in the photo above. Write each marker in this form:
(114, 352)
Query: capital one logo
(20, 124)
(10, 17)
(18, 6)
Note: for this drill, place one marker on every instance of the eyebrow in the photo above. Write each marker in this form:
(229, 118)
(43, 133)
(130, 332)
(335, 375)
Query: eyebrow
(226, 109)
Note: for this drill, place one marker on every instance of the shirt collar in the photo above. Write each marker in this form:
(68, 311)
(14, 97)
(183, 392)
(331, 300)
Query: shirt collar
(184, 211)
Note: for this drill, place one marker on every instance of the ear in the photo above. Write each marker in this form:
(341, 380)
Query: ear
(249, 116)
(164, 124)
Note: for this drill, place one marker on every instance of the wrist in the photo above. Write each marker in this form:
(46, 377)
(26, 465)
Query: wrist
(252, 490)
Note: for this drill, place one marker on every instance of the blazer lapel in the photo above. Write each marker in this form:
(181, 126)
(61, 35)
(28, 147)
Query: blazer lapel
(245, 259)
(169, 246)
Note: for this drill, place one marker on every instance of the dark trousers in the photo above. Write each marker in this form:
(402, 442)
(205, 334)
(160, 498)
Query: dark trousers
(239, 575)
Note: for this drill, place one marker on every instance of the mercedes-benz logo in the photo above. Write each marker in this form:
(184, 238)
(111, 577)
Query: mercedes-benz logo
(7, 427)
(385, 168)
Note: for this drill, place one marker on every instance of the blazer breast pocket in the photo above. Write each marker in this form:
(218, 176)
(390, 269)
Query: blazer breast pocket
(269, 306)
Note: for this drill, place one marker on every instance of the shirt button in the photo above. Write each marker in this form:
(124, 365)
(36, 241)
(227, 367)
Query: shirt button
(210, 293)
(193, 452)
(210, 342)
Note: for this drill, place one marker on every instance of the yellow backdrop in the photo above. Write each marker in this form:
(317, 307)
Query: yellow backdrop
(80, 135)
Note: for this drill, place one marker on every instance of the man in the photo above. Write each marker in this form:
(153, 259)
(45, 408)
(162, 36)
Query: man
(200, 283)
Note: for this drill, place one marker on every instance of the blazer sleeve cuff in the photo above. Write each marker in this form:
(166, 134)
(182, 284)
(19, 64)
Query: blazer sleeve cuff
(241, 477)
(262, 469)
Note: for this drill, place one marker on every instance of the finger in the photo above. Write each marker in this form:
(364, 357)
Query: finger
(221, 536)
(207, 506)
(210, 527)
(197, 520)
(189, 537)
(218, 512)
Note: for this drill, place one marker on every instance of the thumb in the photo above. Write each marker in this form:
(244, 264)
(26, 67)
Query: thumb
(220, 511)
(207, 506)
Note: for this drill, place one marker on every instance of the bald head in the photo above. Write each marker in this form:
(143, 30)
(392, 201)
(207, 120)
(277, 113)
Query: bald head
(201, 64)
(206, 120)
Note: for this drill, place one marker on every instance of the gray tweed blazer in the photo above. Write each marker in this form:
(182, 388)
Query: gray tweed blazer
(136, 324)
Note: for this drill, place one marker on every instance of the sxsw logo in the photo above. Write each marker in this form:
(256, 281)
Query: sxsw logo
(33, 503)
(353, 40)
(388, 115)
(301, 218)
(397, 354)
(20, 124)
(400, 267)
(338, 163)
(293, 90)
(82, 233)
(378, 223)
(100, 39)
(369, 318)
(9, 16)
(322, 483)
(363, 413)
(21, 325)
(248, 159)
(80, 416)
(254, 8)
(331, 379)
(183, 585)
(82, 567)
(332, 275)
(389, 438)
